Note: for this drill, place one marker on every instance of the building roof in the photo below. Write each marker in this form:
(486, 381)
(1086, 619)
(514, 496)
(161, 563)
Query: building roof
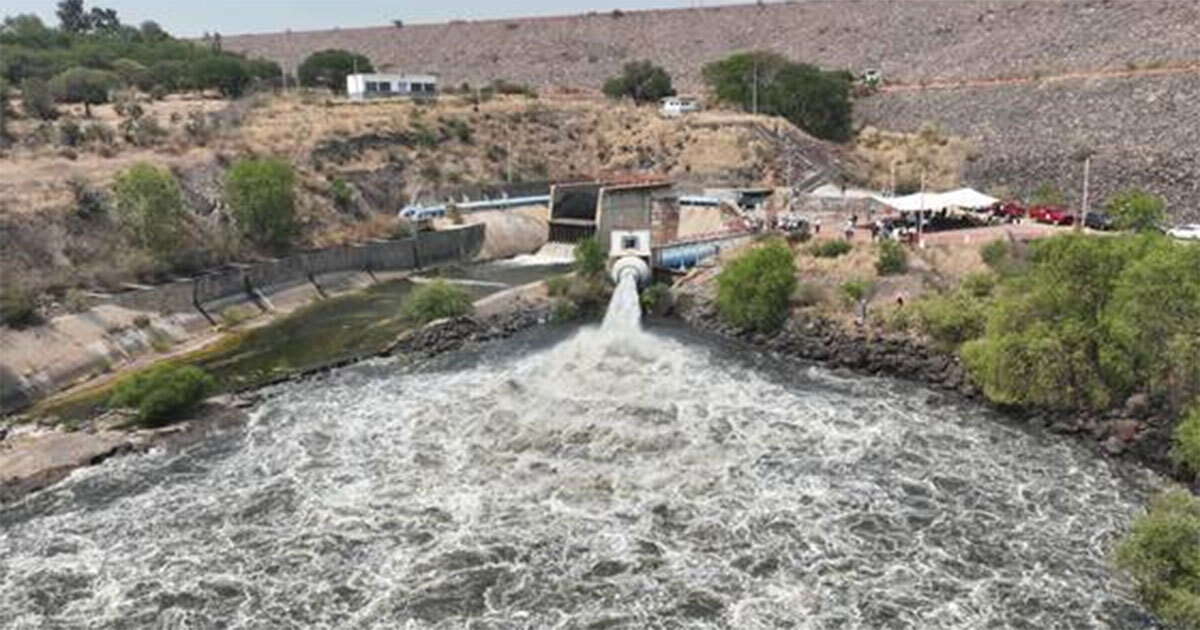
(424, 78)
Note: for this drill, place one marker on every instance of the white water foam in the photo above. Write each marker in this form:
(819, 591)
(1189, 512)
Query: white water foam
(618, 479)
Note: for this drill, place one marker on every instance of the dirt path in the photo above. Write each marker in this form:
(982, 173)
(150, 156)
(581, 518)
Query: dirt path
(1182, 67)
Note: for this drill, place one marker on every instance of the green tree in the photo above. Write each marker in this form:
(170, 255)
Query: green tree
(130, 72)
(642, 81)
(815, 100)
(755, 290)
(736, 78)
(82, 85)
(36, 99)
(328, 69)
(1136, 210)
(1161, 552)
(262, 196)
(148, 205)
(436, 300)
(224, 73)
(71, 16)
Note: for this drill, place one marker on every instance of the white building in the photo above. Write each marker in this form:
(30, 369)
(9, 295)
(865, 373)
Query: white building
(672, 106)
(364, 86)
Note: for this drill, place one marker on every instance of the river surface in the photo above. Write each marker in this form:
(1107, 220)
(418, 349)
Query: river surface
(584, 478)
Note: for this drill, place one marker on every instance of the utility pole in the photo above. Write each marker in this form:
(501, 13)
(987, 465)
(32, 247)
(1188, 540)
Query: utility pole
(921, 213)
(1087, 162)
(891, 191)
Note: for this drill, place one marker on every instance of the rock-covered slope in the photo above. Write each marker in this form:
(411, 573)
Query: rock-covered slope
(909, 40)
(1145, 132)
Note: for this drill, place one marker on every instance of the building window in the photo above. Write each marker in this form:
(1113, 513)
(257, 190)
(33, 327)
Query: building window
(629, 242)
(430, 87)
(372, 86)
(386, 86)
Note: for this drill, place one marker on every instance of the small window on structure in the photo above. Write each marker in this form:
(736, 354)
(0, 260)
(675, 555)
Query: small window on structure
(629, 242)
(372, 86)
(430, 87)
(386, 86)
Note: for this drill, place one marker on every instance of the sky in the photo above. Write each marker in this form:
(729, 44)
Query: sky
(191, 18)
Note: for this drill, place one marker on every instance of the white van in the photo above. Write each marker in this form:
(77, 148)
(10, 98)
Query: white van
(672, 106)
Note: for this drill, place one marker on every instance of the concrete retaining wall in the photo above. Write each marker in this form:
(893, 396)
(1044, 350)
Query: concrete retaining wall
(230, 285)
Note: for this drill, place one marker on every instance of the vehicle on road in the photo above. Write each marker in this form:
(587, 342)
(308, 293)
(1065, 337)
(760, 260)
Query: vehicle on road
(1098, 221)
(1187, 231)
(1051, 214)
(1009, 211)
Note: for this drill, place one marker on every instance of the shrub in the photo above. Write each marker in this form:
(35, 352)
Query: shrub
(16, 308)
(1135, 210)
(656, 299)
(89, 202)
(809, 295)
(642, 81)
(979, 285)
(854, 291)
(37, 101)
(69, 133)
(557, 286)
(99, 133)
(1161, 552)
(893, 259)
(589, 258)
(754, 291)
(831, 249)
(403, 228)
(1091, 320)
(149, 207)
(952, 319)
(436, 300)
(1185, 448)
(262, 196)
(459, 129)
(343, 197)
(162, 393)
(328, 69)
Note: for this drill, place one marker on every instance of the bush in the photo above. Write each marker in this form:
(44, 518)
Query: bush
(642, 81)
(656, 299)
(855, 291)
(755, 290)
(162, 392)
(436, 300)
(589, 258)
(1090, 321)
(149, 207)
(979, 285)
(262, 196)
(16, 308)
(1161, 552)
(1185, 448)
(69, 133)
(893, 259)
(343, 197)
(1135, 210)
(328, 69)
(1000, 256)
(809, 295)
(557, 286)
(952, 319)
(37, 101)
(831, 249)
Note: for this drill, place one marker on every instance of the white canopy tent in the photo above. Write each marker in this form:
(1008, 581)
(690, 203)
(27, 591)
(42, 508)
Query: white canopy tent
(968, 198)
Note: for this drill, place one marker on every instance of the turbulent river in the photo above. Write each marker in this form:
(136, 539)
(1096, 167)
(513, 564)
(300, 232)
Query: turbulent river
(597, 478)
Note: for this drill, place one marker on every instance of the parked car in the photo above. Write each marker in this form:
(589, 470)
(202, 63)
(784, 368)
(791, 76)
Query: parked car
(1009, 210)
(1098, 221)
(1051, 214)
(1189, 231)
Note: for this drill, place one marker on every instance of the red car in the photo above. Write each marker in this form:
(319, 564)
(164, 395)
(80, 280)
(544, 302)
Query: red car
(1051, 214)
(1009, 210)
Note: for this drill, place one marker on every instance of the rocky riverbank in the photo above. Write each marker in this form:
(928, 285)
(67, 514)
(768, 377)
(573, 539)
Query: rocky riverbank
(1135, 430)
